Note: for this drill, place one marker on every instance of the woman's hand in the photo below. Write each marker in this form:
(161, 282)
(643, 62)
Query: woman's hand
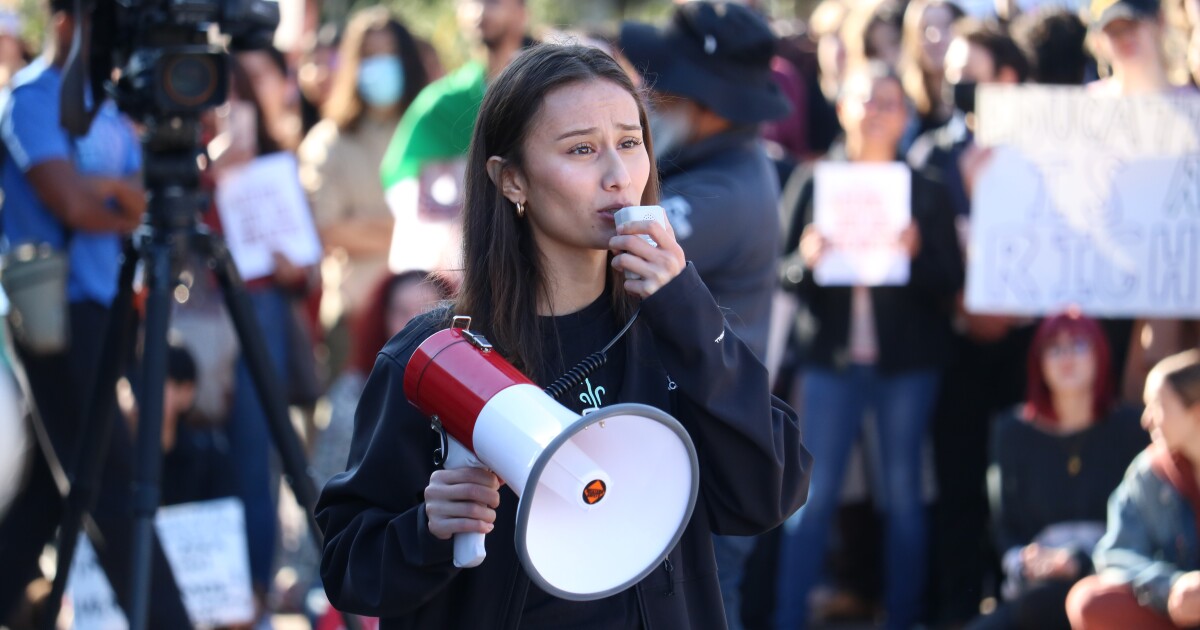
(289, 275)
(812, 246)
(910, 240)
(1048, 563)
(461, 500)
(656, 265)
(1184, 602)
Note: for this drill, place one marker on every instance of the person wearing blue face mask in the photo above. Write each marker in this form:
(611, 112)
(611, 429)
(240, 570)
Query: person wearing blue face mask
(378, 74)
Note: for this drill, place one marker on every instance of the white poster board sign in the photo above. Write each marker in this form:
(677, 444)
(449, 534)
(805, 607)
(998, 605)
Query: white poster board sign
(90, 603)
(205, 544)
(263, 210)
(1088, 201)
(861, 209)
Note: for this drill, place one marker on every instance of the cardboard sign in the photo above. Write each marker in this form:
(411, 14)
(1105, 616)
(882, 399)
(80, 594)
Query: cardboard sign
(1088, 201)
(90, 603)
(205, 544)
(861, 209)
(263, 210)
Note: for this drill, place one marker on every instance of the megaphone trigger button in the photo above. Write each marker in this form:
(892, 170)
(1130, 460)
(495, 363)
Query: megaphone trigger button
(439, 455)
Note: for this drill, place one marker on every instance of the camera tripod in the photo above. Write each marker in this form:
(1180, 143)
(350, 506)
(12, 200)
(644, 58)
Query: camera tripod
(168, 234)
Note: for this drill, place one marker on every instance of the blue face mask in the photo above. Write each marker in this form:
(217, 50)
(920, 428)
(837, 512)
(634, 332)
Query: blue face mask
(381, 80)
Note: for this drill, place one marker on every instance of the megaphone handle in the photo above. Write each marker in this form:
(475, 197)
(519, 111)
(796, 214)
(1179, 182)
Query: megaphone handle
(468, 547)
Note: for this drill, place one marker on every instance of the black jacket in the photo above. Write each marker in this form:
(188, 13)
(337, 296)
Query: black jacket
(912, 322)
(722, 198)
(380, 559)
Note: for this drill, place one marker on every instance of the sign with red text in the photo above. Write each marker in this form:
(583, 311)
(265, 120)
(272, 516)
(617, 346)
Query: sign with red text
(263, 210)
(860, 210)
(1089, 201)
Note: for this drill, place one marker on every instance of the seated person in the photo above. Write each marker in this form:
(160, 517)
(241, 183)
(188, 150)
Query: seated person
(195, 458)
(1055, 461)
(1148, 563)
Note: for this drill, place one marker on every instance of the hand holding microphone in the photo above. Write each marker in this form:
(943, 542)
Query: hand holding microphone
(646, 249)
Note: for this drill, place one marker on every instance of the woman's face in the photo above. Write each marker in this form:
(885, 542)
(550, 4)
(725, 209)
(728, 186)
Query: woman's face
(315, 76)
(1069, 365)
(884, 40)
(874, 111)
(1167, 418)
(584, 159)
(408, 300)
(1130, 40)
(935, 37)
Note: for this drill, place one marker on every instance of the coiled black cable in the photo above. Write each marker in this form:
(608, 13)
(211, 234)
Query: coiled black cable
(589, 364)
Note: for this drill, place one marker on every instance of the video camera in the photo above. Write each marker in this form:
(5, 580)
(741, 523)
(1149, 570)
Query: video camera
(170, 64)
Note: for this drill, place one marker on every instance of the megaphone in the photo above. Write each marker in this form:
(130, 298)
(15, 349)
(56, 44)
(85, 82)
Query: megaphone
(603, 497)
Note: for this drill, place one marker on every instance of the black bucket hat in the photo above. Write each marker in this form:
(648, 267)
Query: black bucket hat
(715, 53)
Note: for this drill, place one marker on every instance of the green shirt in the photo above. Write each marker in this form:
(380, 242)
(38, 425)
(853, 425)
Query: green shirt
(437, 126)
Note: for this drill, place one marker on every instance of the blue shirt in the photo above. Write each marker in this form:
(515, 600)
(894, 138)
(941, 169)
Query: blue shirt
(32, 135)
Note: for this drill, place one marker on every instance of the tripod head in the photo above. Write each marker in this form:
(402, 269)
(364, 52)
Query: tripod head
(164, 63)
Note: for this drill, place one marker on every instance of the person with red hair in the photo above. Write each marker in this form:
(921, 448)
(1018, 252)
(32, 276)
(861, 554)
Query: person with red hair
(394, 300)
(1055, 461)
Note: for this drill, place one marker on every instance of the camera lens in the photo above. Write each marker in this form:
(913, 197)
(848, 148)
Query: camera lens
(190, 80)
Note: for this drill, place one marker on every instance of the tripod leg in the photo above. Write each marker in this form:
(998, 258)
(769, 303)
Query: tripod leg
(95, 434)
(159, 274)
(291, 451)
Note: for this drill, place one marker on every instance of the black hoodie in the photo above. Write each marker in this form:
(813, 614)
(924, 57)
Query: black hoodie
(380, 558)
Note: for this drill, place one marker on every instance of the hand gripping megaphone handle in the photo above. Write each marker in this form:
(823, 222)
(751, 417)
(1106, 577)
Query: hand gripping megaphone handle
(468, 547)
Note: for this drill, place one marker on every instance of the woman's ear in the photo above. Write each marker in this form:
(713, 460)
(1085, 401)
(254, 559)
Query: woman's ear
(507, 179)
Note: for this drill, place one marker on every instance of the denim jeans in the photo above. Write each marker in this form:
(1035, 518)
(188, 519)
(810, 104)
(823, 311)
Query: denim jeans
(834, 405)
(250, 437)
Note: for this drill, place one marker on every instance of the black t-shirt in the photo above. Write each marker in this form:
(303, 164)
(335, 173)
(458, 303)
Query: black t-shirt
(568, 340)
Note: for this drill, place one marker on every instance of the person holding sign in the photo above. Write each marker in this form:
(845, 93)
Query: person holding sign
(1129, 40)
(249, 140)
(874, 346)
(562, 142)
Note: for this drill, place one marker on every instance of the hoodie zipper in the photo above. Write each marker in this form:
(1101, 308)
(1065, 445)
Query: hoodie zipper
(670, 576)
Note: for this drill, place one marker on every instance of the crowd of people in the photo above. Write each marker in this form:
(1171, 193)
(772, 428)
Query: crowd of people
(967, 470)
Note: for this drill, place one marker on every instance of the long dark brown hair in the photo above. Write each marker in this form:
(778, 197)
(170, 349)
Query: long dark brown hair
(503, 270)
(345, 106)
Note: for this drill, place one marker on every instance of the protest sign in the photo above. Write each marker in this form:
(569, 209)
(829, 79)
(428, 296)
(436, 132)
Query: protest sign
(205, 543)
(263, 210)
(1089, 201)
(90, 601)
(860, 210)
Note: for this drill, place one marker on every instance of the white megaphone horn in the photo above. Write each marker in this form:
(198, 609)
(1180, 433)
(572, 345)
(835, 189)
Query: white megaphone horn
(603, 497)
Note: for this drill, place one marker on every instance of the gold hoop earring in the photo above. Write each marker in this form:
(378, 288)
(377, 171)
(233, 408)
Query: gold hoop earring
(520, 210)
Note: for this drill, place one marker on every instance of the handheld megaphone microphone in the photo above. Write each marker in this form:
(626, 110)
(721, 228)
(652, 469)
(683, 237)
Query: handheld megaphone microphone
(603, 497)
